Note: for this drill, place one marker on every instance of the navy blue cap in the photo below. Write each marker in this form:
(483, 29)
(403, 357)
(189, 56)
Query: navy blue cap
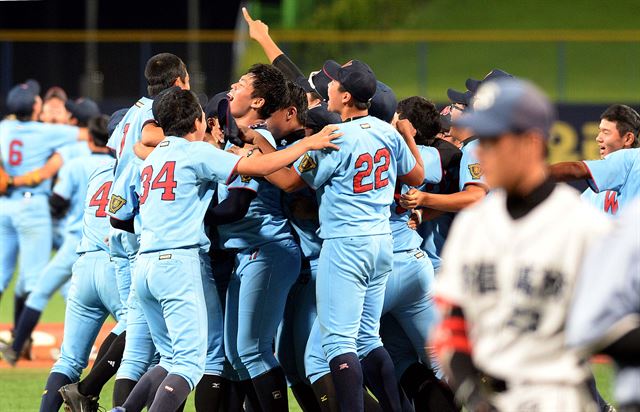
(21, 98)
(211, 109)
(228, 123)
(494, 74)
(82, 109)
(355, 77)
(460, 97)
(319, 116)
(320, 83)
(383, 103)
(508, 105)
(115, 119)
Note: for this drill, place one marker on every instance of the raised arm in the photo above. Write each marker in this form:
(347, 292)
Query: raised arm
(568, 171)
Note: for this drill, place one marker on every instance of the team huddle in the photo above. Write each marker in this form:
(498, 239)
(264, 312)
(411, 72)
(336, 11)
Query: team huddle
(313, 235)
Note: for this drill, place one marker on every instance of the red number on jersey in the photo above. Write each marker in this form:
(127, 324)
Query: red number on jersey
(358, 186)
(124, 137)
(15, 155)
(379, 182)
(101, 199)
(145, 179)
(164, 180)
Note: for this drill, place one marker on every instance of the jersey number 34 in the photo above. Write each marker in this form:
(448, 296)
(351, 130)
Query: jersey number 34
(163, 180)
(381, 162)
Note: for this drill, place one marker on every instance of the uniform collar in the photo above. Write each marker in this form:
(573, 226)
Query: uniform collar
(520, 206)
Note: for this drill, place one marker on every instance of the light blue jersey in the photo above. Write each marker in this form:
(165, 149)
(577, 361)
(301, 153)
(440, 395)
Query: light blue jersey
(95, 222)
(618, 171)
(606, 202)
(74, 150)
(470, 171)
(176, 192)
(26, 146)
(403, 237)
(265, 220)
(126, 190)
(129, 132)
(356, 184)
(71, 185)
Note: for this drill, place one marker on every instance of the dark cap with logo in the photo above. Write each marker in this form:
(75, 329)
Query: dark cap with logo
(355, 77)
(22, 97)
(494, 74)
(82, 109)
(508, 105)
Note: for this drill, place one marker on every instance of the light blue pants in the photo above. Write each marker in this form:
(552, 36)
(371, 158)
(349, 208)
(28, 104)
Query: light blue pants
(256, 299)
(55, 275)
(299, 316)
(409, 300)
(25, 237)
(214, 364)
(92, 297)
(169, 289)
(350, 288)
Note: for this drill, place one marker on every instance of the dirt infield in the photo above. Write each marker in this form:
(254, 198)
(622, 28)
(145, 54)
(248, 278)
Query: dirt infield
(47, 339)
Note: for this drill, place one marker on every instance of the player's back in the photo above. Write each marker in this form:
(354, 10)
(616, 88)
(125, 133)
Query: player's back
(177, 187)
(515, 280)
(356, 184)
(95, 221)
(129, 130)
(26, 146)
(72, 184)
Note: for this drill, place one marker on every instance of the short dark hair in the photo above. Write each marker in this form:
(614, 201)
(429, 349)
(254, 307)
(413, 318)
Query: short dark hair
(357, 103)
(626, 119)
(161, 72)
(270, 84)
(296, 97)
(176, 111)
(98, 130)
(424, 117)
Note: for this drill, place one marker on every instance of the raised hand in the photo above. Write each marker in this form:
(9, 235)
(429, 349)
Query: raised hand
(405, 128)
(257, 29)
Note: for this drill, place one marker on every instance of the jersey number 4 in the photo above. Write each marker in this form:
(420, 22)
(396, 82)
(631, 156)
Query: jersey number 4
(381, 162)
(163, 180)
(100, 199)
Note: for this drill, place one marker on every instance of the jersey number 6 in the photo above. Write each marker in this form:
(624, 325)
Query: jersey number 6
(381, 160)
(163, 180)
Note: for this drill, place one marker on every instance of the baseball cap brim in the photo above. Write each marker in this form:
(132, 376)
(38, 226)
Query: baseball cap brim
(331, 68)
(458, 97)
(303, 82)
(483, 124)
(472, 84)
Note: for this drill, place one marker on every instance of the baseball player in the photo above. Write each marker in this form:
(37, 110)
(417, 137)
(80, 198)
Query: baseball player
(92, 296)
(25, 221)
(597, 326)
(619, 129)
(359, 180)
(175, 177)
(505, 300)
(53, 106)
(267, 259)
(68, 198)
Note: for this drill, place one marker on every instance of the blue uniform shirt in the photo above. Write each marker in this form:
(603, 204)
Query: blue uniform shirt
(470, 171)
(356, 184)
(26, 146)
(95, 222)
(265, 220)
(618, 171)
(125, 194)
(71, 184)
(606, 202)
(129, 131)
(74, 150)
(176, 192)
(403, 237)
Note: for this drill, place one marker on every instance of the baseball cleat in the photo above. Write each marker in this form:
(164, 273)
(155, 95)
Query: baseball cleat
(8, 354)
(74, 401)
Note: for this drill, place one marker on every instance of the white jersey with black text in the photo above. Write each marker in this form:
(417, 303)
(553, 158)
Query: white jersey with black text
(514, 281)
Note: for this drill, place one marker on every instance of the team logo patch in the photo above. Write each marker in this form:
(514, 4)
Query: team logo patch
(245, 179)
(164, 144)
(115, 203)
(365, 125)
(475, 170)
(306, 164)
